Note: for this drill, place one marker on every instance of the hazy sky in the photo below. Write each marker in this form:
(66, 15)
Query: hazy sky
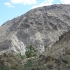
(13, 8)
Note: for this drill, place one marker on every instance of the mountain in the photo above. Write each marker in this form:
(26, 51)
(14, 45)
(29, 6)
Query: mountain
(41, 27)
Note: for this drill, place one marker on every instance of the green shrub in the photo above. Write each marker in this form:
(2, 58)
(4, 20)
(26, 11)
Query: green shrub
(30, 51)
(29, 63)
(21, 56)
(3, 67)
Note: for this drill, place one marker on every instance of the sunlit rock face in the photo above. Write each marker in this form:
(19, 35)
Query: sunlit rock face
(40, 27)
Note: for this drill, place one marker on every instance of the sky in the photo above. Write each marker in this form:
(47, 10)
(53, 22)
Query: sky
(14, 8)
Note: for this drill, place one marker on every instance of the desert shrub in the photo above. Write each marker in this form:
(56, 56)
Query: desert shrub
(65, 61)
(30, 51)
(3, 67)
(19, 55)
(50, 66)
(29, 63)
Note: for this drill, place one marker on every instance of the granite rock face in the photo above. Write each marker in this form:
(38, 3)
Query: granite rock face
(40, 27)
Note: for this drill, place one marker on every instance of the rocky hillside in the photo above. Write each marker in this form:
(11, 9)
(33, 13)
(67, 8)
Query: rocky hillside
(40, 27)
(61, 47)
(56, 57)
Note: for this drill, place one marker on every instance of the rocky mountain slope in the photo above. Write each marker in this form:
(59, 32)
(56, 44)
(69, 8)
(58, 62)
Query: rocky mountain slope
(61, 47)
(56, 57)
(40, 27)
